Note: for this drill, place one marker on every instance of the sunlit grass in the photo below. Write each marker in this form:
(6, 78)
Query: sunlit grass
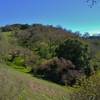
(15, 85)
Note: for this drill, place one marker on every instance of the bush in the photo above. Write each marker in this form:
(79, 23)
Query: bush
(89, 89)
(22, 57)
(61, 71)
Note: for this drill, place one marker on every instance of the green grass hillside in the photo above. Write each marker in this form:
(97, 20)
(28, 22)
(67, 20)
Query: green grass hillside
(16, 85)
(31, 53)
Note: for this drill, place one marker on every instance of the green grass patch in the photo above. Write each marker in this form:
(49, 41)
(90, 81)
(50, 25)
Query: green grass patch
(19, 68)
(15, 85)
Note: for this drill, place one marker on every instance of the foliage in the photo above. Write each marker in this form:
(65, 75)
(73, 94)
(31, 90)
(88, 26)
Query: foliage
(61, 71)
(51, 53)
(29, 46)
(14, 27)
(77, 52)
(89, 89)
(4, 47)
(42, 39)
(22, 57)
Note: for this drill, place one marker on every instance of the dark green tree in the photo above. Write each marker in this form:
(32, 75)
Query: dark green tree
(77, 52)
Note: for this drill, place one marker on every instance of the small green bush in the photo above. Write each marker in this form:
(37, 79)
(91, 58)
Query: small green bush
(19, 61)
(89, 89)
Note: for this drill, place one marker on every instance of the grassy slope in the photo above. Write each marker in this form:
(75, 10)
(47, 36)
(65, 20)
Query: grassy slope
(16, 85)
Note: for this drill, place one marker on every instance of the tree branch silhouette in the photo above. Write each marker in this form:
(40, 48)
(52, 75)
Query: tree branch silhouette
(91, 3)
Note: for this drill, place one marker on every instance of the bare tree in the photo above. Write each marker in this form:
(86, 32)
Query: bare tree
(91, 3)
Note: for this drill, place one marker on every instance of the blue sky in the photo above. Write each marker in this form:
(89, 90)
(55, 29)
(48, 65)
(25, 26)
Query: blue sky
(70, 14)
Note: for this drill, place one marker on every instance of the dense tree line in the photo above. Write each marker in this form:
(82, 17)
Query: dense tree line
(14, 27)
(52, 53)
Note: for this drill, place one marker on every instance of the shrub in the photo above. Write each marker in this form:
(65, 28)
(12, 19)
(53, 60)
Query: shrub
(61, 71)
(22, 57)
(89, 89)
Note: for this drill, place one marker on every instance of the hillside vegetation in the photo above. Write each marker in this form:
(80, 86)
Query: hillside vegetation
(43, 62)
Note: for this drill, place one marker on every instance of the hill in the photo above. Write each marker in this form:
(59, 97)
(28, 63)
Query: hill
(35, 58)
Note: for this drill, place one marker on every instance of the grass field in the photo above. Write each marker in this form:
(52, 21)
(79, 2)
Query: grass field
(15, 85)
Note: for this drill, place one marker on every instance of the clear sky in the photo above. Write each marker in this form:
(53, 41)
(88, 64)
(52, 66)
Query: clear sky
(70, 14)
